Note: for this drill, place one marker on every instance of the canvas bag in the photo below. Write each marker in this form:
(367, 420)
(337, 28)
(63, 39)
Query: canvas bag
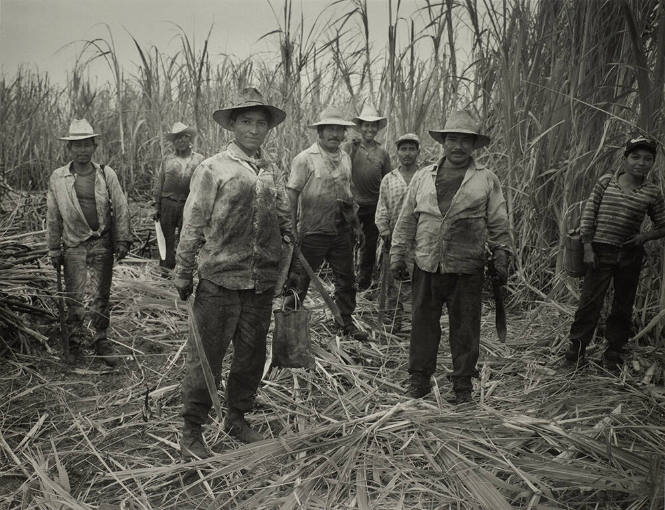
(573, 248)
(291, 343)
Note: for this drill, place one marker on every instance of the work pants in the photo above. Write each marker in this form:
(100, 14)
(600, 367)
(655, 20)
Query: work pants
(622, 267)
(337, 250)
(94, 256)
(222, 316)
(461, 293)
(170, 218)
(367, 252)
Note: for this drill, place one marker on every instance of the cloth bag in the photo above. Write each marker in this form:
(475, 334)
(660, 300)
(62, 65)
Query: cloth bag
(291, 343)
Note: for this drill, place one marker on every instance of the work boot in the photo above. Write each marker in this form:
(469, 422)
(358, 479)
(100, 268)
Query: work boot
(236, 426)
(575, 355)
(352, 331)
(459, 397)
(104, 350)
(419, 386)
(612, 360)
(192, 445)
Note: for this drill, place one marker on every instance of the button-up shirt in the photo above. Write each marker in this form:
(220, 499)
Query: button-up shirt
(321, 180)
(454, 243)
(66, 223)
(172, 179)
(233, 218)
(369, 164)
(391, 196)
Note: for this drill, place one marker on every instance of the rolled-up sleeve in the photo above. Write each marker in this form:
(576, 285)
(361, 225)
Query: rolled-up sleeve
(196, 217)
(300, 173)
(120, 207)
(497, 217)
(405, 229)
(53, 221)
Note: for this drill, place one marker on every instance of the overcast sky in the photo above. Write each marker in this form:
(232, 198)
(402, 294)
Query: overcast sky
(39, 32)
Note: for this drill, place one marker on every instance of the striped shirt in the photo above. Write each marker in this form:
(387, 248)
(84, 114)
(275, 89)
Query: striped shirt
(615, 216)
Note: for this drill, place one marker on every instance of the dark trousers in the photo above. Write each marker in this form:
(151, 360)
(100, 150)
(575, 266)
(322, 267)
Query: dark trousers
(461, 293)
(94, 256)
(367, 252)
(223, 316)
(170, 218)
(623, 268)
(337, 250)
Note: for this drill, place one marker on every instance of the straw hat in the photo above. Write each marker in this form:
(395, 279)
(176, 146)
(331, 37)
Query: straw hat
(249, 98)
(332, 116)
(408, 137)
(79, 129)
(370, 114)
(461, 122)
(179, 129)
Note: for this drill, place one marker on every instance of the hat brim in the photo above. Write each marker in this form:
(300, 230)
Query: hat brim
(223, 116)
(188, 131)
(72, 138)
(332, 122)
(383, 122)
(440, 134)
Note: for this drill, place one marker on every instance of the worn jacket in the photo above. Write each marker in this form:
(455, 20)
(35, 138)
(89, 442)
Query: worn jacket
(173, 177)
(454, 243)
(66, 224)
(233, 219)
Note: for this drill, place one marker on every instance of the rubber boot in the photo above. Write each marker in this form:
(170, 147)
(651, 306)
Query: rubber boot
(419, 386)
(575, 355)
(459, 397)
(104, 349)
(236, 426)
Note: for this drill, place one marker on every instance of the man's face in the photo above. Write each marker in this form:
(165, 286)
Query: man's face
(182, 142)
(368, 130)
(407, 153)
(457, 147)
(251, 128)
(82, 150)
(330, 136)
(638, 163)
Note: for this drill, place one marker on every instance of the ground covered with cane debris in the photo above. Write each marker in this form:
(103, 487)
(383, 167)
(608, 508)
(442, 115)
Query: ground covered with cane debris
(339, 436)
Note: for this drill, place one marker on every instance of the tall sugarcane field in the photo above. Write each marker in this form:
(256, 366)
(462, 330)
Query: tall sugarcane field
(409, 254)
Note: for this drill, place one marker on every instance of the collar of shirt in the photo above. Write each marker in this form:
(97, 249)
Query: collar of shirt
(256, 164)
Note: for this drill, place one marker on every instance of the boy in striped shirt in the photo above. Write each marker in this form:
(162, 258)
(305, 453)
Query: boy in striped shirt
(613, 249)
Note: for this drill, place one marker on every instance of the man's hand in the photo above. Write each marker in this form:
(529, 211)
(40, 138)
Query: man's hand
(387, 240)
(288, 238)
(500, 261)
(359, 236)
(399, 270)
(56, 261)
(590, 259)
(156, 215)
(636, 240)
(185, 287)
(121, 251)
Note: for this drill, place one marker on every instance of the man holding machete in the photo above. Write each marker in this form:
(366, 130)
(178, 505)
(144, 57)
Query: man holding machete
(451, 209)
(235, 219)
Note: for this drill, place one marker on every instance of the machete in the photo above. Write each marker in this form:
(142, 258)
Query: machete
(318, 285)
(161, 241)
(385, 281)
(64, 334)
(498, 291)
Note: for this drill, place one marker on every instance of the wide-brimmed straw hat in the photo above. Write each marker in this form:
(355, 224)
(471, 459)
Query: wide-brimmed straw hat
(370, 114)
(461, 122)
(332, 116)
(79, 129)
(408, 137)
(249, 98)
(180, 129)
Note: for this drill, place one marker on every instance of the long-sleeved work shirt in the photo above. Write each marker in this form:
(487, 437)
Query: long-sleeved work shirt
(369, 164)
(612, 216)
(66, 223)
(391, 197)
(322, 181)
(454, 243)
(233, 218)
(172, 179)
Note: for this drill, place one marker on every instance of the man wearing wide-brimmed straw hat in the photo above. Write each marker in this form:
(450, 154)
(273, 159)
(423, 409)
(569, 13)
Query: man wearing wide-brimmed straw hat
(451, 210)
(323, 209)
(391, 197)
(172, 186)
(87, 218)
(369, 164)
(235, 218)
